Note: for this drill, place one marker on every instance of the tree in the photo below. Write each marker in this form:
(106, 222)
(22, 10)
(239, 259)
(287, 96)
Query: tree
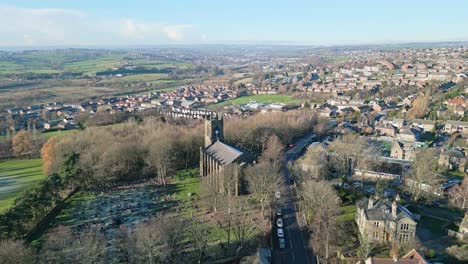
(273, 152)
(366, 247)
(90, 247)
(262, 180)
(23, 143)
(144, 244)
(319, 202)
(459, 195)
(161, 158)
(242, 227)
(419, 106)
(314, 163)
(423, 174)
(16, 252)
(349, 151)
(198, 233)
(47, 155)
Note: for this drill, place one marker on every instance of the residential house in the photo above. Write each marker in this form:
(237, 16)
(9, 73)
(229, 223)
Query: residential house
(453, 159)
(402, 150)
(383, 221)
(456, 126)
(426, 125)
(385, 129)
(412, 257)
(409, 133)
(398, 122)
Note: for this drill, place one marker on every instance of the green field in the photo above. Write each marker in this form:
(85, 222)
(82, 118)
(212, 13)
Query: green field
(17, 176)
(261, 98)
(348, 213)
(39, 62)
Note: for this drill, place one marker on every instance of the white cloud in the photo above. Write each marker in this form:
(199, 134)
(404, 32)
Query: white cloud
(47, 26)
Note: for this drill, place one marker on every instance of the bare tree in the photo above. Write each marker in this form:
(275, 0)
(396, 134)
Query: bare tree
(241, 225)
(459, 195)
(210, 195)
(161, 158)
(366, 247)
(144, 244)
(274, 152)
(16, 252)
(319, 202)
(346, 151)
(314, 163)
(423, 174)
(263, 180)
(198, 233)
(90, 247)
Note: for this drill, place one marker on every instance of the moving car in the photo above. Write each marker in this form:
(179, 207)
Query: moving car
(280, 232)
(279, 222)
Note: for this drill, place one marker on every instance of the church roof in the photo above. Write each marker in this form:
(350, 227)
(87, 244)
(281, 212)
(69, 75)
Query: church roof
(224, 153)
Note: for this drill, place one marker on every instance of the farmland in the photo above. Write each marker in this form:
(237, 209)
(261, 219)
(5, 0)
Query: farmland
(17, 176)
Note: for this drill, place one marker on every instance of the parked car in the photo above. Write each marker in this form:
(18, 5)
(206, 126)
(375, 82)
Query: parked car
(357, 184)
(279, 213)
(282, 243)
(279, 222)
(346, 186)
(280, 232)
(277, 195)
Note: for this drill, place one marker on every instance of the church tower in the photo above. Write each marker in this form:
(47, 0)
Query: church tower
(213, 129)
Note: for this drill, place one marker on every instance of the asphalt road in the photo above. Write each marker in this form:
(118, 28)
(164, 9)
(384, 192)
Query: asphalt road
(297, 248)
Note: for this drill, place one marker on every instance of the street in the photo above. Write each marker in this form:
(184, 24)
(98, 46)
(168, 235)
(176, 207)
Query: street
(297, 248)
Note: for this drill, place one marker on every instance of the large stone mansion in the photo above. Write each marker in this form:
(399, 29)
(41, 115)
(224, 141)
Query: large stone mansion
(385, 221)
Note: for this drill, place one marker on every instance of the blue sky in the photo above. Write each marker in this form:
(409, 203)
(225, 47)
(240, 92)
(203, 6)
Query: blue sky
(135, 22)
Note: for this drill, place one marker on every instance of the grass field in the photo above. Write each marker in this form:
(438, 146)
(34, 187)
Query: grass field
(260, 98)
(348, 213)
(17, 176)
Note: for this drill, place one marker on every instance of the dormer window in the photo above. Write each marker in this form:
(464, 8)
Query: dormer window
(387, 211)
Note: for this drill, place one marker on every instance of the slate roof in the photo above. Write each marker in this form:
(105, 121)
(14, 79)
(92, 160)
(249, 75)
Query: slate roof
(224, 153)
(377, 211)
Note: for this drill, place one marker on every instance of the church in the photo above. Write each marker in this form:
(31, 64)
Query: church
(217, 158)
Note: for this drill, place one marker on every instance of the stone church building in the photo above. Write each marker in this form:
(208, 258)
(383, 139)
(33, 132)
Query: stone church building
(218, 159)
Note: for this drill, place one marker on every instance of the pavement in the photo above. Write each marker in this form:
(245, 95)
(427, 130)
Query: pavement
(297, 248)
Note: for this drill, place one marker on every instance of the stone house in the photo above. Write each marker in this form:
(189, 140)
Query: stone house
(452, 126)
(426, 125)
(385, 129)
(453, 159)
(409, 133)
(383, 221)
(402, 150)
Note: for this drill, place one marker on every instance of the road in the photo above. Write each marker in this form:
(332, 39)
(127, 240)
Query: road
(297, 248)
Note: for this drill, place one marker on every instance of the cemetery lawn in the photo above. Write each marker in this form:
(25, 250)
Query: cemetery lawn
(17, 176)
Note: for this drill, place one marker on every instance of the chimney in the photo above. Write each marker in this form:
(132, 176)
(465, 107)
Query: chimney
(370, 203)
(394, 209)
